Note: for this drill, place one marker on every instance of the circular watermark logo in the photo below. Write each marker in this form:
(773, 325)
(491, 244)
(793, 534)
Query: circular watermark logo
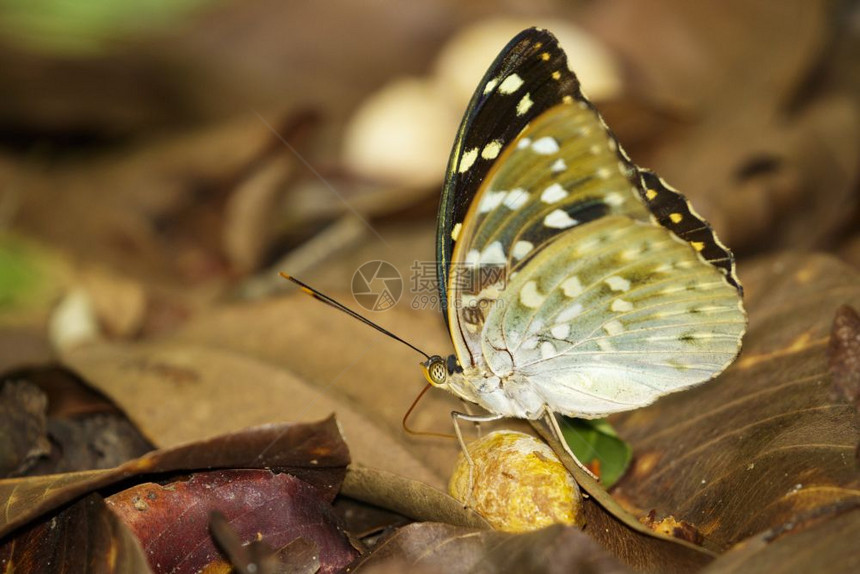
(377, 285)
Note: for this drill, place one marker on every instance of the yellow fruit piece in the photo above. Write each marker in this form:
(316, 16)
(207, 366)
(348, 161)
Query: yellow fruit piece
(518, 483)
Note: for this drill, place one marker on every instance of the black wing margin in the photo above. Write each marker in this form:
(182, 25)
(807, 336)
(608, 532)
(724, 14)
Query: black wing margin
(674, 212)
(530, 75)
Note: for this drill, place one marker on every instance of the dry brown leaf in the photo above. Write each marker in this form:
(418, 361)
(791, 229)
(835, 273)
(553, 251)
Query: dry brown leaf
(153, 212)
(407, 497)
(703, 53)
(815, 544)
(23, 428)
(177, 391)
(843, 354)
(445, 548)
(314, 452)
(765, 442)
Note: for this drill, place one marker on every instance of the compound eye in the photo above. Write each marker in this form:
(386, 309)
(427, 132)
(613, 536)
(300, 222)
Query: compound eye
(435, 371)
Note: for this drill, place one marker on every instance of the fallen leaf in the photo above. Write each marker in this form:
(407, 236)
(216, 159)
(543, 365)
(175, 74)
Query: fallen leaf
(313, 452)
(23, 427)
(297, 557)
(407, 497)
(710, 55)
(821, 544)
(172, 521)
(843, 354)
(85, 537)
(765, 441)
(177, 392)
(438, 547)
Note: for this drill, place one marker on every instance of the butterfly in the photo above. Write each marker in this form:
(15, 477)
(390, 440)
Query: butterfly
(572, 281)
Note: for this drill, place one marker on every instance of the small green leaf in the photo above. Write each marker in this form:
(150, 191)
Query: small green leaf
(31, 278)
(595, 443)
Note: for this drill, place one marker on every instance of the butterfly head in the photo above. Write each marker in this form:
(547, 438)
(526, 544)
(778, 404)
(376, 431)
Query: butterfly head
(435, 371)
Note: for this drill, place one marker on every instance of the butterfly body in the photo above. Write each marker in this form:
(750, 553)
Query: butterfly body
(573, 281)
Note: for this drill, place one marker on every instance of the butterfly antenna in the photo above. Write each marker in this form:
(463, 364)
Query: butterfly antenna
(341, 307)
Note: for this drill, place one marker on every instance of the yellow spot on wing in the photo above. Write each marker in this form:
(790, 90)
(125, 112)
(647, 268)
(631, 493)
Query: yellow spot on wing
(556, 75)
(544, 56)
(650, 194)
(455, 232)
(676, 217)
(697, 245)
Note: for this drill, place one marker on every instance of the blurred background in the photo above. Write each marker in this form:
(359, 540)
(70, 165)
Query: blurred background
(161, 159)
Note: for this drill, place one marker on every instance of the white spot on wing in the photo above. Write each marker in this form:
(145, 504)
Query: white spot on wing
(553, 193)
(524, 104)
(491, 85)
(558, 219)
(605, 345)
(558, 166)
(530, 296)
(571, 287)
(516, 198)
(524, 143)
(545, 146)
(613, 198)
(560, 331)
(570, 313)
(491, 201)
(521, 249)
(613, 328)
(617, 283)
(467, 160)
(472, 257)
(491, 150)
(493, 254)
(547, 350)
(510, 84)
(620, 305)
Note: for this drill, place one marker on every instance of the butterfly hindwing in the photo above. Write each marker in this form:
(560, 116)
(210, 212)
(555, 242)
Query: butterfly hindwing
(529, 76)
(612, 315)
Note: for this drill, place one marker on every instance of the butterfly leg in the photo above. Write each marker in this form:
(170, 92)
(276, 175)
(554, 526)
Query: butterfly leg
(467, 406)
(552, 422)
(457, 417)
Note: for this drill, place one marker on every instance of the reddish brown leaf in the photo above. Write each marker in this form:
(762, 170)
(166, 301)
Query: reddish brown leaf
(314, 452)
(172, 521)
(85, 537)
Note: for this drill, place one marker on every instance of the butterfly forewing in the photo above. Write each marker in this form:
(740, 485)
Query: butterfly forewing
(563, 170)
(529, 76)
